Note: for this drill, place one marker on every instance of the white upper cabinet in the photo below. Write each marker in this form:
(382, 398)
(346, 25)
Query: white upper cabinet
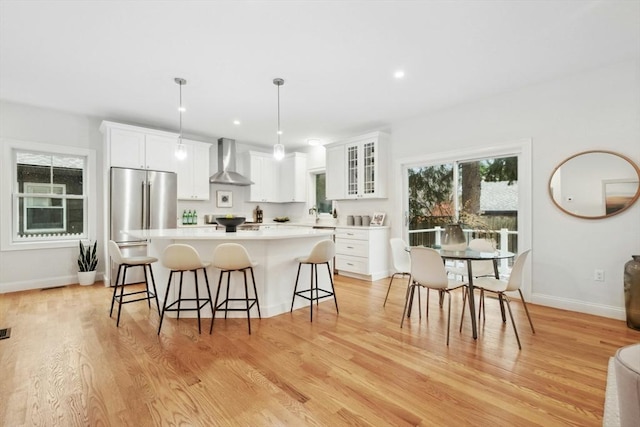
(139, 148)
(262, 171)
(293, 170)
(276, 181)
(193, 171)
(355, 167)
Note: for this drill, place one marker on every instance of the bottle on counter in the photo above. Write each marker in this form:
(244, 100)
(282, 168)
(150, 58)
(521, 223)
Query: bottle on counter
(184, 217)
(189, 217)
(258, 214)
(194, 218)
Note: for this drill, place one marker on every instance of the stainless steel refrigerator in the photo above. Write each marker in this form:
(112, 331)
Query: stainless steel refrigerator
(140, 199)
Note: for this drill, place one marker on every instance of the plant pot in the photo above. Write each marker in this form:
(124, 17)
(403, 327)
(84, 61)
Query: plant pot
(453, 239)
(86, 277)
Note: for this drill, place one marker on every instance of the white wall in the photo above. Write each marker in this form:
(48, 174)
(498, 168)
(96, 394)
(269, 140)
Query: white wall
(31, 269)
(599, 109)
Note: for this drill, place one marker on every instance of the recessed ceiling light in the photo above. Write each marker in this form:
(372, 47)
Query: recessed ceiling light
(398, 74)
(182, 109)
(313, 141)
(236, 122)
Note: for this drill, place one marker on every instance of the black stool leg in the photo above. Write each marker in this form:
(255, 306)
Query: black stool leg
(180, 293)
(164, 306)
(115, 288)
(124, 277)
(206, 280)
(226, 301)
(153, 283)
(195, 277)
(333, 290)
(255, 290)
(146, 284)
(215, 305)
(295, 287)
(311, 293)
(246, 299)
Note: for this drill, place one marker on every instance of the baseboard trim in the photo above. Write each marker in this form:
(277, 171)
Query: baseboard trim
(49, 282)
(579, 306)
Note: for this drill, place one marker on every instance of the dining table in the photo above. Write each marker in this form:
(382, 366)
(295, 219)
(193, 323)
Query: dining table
(469, 256)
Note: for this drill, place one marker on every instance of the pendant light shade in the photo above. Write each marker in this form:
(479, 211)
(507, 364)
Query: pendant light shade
(278, 149)
(181, 152)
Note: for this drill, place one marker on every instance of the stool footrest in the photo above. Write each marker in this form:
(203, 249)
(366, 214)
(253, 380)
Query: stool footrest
(196, 308)
(327, 294)
(119, 300)
(252, 300)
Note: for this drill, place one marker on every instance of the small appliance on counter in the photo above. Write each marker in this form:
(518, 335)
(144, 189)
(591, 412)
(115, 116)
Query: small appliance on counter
(258, 214)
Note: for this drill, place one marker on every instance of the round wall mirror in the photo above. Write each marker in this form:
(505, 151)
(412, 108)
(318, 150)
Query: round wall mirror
(595, 184)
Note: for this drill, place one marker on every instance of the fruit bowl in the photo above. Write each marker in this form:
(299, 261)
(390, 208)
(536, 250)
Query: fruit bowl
(281, 219)
(230, 223)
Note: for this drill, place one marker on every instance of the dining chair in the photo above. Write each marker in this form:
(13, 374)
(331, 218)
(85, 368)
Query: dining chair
(479, 268)
(401, 262)
(501, 287)
(428, 271)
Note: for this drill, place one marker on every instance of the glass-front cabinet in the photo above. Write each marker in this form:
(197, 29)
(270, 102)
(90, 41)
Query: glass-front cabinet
(354, 170)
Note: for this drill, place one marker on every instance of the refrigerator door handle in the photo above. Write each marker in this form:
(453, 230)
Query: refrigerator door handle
(144, 206)
(132, 245)
(148, 205)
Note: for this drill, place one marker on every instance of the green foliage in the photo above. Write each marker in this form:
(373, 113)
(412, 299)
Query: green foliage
(88, 258)
(502, 169)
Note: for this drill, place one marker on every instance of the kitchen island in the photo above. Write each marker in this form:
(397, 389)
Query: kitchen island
(275, 251)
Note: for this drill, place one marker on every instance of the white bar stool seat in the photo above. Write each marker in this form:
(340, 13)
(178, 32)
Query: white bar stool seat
(179, 258)
(124, 263)
(230, 257)
(322, 253)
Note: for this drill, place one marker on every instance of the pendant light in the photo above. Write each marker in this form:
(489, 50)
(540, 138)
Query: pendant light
(278, 149)
(181, 151)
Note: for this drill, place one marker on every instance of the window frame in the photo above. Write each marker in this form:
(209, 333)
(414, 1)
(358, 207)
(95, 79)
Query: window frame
(312, 192)
(9, 211)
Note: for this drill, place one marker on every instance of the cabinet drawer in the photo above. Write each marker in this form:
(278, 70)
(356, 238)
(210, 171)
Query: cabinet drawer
(358, 248)
(356, 234)
(352, 264)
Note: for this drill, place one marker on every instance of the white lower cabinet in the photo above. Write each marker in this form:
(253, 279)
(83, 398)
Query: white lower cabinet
(362, 252)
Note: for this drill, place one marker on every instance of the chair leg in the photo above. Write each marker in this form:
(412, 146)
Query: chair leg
(124, 276)
(465, 292)
(153, 283)
(295, 288)
(146, 284)
(333, 289)
(255, 290)
(501, 301)
(226, 302)
(513, 323)
(180, 294)
(195, 279)
(311, 293)
(206, 281)
(246, 299)
(166, 298)
(115, 288)
(448, 315)
(409, 294)
(526, 310)
(215, 304)
(389, 288)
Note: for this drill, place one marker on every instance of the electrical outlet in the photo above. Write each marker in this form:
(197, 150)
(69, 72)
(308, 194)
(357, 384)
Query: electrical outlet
(598, 275)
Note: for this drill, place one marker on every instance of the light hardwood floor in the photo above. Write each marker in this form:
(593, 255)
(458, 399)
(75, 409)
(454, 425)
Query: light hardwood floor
(66, 364)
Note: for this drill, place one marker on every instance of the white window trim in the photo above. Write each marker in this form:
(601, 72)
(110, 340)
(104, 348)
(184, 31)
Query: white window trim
(7, 179)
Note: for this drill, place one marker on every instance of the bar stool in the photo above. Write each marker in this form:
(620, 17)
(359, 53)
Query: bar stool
(230, 257)
(179, 258)
(321, 253)
(126, 263)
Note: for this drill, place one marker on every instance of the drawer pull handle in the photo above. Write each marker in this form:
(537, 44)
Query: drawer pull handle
(349, 247)
(350, 264)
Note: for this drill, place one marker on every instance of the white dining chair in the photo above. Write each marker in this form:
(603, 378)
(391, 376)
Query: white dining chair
(427, 271)
(501, 287)
(401, 262)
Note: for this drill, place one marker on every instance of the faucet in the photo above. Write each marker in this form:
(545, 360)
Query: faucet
(314, 211)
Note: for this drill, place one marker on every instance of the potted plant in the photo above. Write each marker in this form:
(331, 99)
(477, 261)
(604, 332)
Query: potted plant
(87, 263)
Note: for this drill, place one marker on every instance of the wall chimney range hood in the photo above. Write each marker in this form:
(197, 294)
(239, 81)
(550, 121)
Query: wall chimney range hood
(227, 165)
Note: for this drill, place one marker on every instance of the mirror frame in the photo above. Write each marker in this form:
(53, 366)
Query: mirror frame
(621, 156)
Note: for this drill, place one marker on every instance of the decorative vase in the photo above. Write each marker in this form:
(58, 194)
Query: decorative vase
(86, 277)
(632, 292)
(453, 238)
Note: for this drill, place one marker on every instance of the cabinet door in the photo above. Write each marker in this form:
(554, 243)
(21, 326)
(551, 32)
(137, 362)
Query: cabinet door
(335, 184)
(193, 171)
(160, 152)
(201, 173)
(354, 168)
(293, 180)
(127, 149)
(262, 171)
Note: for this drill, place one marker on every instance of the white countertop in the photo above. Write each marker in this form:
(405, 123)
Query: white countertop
(210, 233)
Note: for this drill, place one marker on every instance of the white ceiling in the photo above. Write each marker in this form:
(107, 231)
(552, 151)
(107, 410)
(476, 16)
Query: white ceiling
(117, 59)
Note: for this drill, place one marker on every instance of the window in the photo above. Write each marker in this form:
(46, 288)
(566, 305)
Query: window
(322, 204)
(47, 187)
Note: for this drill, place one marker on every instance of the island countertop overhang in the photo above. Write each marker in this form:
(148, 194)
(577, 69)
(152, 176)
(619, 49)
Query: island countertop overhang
(212, 234)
